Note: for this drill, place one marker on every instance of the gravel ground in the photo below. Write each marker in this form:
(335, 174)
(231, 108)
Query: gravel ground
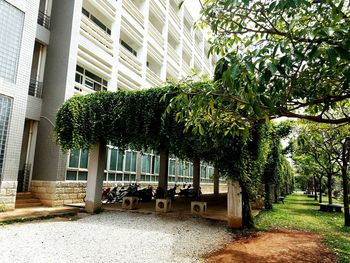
(112, 237)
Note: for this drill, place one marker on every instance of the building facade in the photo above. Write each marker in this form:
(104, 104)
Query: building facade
(61, 48)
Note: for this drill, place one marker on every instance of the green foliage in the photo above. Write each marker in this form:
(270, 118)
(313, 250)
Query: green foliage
(278, 58)
(122, 118)
(302, 213)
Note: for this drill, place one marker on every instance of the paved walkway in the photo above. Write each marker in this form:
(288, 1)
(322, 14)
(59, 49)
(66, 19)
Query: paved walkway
(36, 212)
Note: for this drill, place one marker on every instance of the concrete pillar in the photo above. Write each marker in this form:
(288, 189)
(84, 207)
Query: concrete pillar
(138, 166)
(196, 173)
(97, 163)
(216, 182)
(234, 205)
(163, 168)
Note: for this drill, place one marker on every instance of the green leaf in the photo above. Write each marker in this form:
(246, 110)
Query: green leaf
(235, 70)
(272, 67)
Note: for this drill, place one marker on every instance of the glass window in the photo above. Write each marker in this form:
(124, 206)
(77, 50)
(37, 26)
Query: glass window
(5, 111)
(113, 159)
(11, 28)
(156, 165)
(133, 162)
(146, 163)
(82, 176)
(120, 160)
(111, 177)
(119, 177)
(84, 157)
(74, 158)
(171, 167)
(71, 175)
(89, 79)
(127, 161)
(96, 21)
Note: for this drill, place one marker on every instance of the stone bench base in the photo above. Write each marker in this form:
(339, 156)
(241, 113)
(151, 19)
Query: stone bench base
(163, 205)
(198, 208)
(130, 202)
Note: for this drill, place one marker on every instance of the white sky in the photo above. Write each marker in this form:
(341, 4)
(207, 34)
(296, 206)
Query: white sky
(194, 7)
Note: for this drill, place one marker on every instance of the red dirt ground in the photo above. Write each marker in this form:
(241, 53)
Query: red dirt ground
(280, 246)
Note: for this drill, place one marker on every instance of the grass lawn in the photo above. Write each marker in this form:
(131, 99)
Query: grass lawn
(301, 213)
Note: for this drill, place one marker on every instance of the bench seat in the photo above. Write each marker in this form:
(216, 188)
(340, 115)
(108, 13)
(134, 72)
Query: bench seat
(330, 207)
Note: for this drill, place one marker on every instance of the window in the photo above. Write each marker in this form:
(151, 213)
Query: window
(130, 161)
(77, 165)
(89, 79)
(11, 27)
(128, 47)
(96, 21)
(172, 164)
(146, 166)
(5, 113)
(116, 160)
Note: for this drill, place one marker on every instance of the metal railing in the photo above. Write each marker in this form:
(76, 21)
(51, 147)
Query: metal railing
(44, 20)
(35, 88)
(26, 177)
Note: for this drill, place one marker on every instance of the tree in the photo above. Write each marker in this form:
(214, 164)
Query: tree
(316, 141)
(279, 58)
(277, 171)
(329, 146)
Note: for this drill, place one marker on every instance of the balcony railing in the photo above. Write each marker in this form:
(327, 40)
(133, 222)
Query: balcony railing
(96, 35)
(188, 34)
(199, 50)
(153, 78)
(158, 10)
(174, 16)
(44, 20)
(173, 54)
(133, 11)
(130, 61)
(185, 67)
(156, 35)
(35, 88)
(126, 83)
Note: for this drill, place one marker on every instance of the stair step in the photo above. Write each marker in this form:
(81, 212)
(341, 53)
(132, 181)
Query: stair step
(24, 195)
(28, 200)
(28, 205)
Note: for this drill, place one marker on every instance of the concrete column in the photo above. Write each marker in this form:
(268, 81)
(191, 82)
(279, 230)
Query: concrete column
(138, 166)
(216, 181)
(234, 205)
(163, 168)
(196, 173)
(97, 163)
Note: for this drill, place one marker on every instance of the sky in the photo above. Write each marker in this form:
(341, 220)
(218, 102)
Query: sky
(194, 8)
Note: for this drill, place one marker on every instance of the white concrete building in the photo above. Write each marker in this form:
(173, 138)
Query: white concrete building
(51, 50)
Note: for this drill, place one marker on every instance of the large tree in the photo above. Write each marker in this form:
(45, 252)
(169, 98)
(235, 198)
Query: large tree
(278, 58)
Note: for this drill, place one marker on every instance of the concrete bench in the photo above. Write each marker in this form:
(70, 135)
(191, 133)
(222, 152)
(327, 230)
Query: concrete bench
(330, 207)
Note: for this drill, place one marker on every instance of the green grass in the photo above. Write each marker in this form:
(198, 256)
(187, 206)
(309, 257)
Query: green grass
(301, 213)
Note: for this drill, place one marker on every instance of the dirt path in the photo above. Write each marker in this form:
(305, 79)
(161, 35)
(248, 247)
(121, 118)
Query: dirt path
(278, 246)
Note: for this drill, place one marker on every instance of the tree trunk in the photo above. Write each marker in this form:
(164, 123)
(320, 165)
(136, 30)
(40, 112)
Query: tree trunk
(196, 175)
(315, 187)
(344, 172)
(346, 196)
(247, 217)
(320, 188)
(268, 196)
(163, 169)
(275, 193)
(329, 187)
